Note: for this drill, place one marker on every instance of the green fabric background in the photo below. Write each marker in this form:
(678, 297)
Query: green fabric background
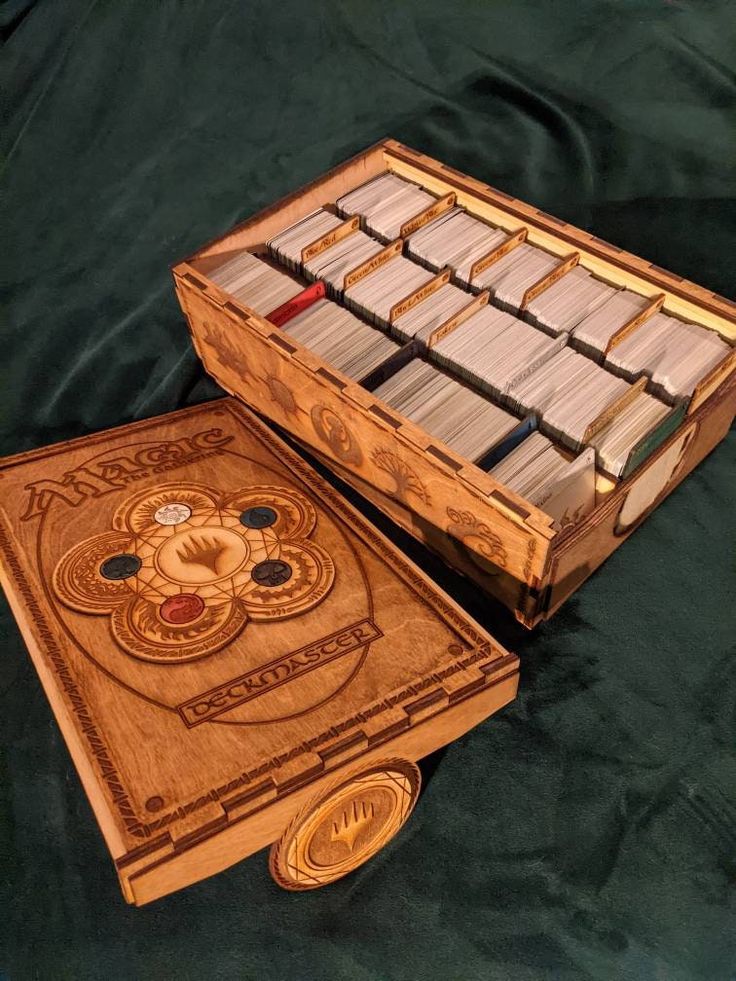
(587, 831)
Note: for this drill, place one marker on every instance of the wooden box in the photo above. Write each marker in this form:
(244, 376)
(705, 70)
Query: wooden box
(483, 529)
(234, 656)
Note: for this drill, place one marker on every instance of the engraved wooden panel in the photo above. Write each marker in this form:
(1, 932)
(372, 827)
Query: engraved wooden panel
(217, 630)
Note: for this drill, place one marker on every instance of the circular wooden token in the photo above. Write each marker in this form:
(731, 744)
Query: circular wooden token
(346, 826)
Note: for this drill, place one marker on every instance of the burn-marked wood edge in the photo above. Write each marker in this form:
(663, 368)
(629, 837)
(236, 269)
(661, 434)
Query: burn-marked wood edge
(345, 826)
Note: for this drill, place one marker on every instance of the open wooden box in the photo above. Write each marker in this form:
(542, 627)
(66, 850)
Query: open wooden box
(480, 527)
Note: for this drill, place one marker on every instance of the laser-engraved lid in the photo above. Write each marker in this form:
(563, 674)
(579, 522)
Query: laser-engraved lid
(218, 631)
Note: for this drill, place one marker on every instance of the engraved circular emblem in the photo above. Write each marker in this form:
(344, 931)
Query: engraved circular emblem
(258, 517)
(272, 572)
(346, 826)
(652, 482)
(182, 608)
(172, 514)
(197, 557)
(120, 567)
(183, 573)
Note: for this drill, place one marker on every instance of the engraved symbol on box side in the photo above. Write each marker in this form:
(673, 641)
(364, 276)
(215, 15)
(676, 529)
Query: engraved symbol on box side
(481, 545)
(227, 354)
(282, 395)
(334, 433)
(335, 834)
(405, 479)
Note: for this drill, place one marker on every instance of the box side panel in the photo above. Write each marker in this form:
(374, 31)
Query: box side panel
(578, 556)
(348, 426)
(452, 545)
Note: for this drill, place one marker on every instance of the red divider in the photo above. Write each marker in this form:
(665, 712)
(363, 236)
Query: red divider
(283, 314)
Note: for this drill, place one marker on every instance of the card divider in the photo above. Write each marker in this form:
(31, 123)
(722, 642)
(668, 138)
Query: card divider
(487, 260)
(653, 439)
(297, 304)
(428, 214)
(330, 238)
(509, 442)
(711, 380)
(388, 368)
(452, 323)
(609, 413)
(419, 295)
(634, 323)
(549, 279)
(375, 262)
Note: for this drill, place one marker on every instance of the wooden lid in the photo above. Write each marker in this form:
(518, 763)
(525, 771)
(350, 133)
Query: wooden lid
(218, 631)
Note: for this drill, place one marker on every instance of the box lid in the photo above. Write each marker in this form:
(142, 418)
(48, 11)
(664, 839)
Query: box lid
(217, 629)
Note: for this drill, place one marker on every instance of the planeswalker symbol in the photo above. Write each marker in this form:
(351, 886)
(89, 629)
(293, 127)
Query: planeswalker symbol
(352, 821)
(179, 591)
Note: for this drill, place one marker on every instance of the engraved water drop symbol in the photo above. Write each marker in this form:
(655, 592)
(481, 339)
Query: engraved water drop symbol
(353, 820)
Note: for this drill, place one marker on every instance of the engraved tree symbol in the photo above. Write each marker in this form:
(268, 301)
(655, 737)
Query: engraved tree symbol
(405, 479)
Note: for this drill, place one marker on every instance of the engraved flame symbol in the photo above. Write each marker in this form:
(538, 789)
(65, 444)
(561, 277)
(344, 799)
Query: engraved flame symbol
(353, 820)
(202, 551)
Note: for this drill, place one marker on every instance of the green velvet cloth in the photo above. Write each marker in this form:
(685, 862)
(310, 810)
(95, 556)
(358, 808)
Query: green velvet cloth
(588, 830)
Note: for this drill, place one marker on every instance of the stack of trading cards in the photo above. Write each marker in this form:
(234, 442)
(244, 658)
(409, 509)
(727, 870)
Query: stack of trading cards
(340, 338)
(541, 473)
(422, 319)
(614, 443)
(492, 349)
(288, 244)
(510, 277)
(673, 353)
(571, 299)
(592, 334)
(255, 282)
(373, 296)
(531, 468)
(463, 419)
(569, 392)
(385, 204)
(330, 264)
(455, 239)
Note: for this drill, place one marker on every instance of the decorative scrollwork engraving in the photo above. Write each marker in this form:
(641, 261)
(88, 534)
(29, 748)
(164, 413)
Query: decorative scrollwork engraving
(482, 545)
